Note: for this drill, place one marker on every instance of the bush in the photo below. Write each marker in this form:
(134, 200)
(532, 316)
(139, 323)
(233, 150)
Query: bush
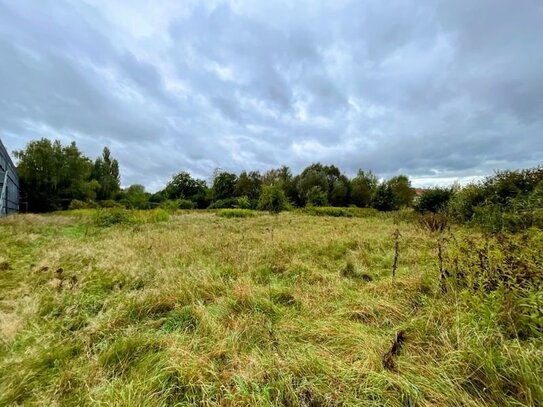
(186, 204)
(244, 202)
(156, 215)
(272, 199)
(329, 211)
(316, 197)
(77, 204)
(170, 205)
(236, 213)
(110, 203)
(110, 217)
(434, 200)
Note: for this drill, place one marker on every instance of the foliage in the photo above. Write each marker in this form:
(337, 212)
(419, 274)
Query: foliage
(185, 204)
(273, 199)
(184, 186)
(110, 217)
(77, 204)
(135, 197)
(434, 200)
(363, 187)
(53, 175)
(224, 185)
(504, 271)
(402, 191)
(248, 185)
(316, 196)
(106, 173)
(383, 198)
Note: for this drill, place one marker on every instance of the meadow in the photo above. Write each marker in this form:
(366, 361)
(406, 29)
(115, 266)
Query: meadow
(213, 308)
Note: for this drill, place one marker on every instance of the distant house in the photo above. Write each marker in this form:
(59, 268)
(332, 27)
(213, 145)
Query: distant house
(418, 193)
(9, 184)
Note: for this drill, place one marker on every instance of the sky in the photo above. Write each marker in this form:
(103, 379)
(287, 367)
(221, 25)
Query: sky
(442, 91)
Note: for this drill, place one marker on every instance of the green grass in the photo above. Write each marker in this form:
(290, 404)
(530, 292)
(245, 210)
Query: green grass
(295, 310)
(236, 213)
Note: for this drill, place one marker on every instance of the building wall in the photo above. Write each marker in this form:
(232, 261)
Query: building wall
(10, 199)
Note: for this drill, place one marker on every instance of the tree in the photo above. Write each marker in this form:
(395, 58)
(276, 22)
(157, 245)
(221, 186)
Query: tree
(106, 173)
(184, 186)
(224, 185)
(283, 176)
(312, 176)
(249, 185)
(383, 199)
(272, 199)
(363, 187)
(434, 200)
(52, 175)
(135, 197)
(402, 191)
(340, 191)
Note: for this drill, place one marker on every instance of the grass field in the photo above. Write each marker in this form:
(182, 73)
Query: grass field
(294, 310)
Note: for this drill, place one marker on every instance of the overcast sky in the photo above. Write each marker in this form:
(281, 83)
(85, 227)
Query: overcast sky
(439, 90)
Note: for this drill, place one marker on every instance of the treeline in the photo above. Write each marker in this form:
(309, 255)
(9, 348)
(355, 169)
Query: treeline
(56, 177)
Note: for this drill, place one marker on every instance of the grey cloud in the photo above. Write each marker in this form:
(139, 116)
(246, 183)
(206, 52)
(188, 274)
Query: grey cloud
(437, 90)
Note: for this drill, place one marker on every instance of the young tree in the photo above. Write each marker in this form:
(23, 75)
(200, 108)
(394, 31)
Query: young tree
(363, 187)
(106, 172)
(272, 199)
(402, 191)
(136, 197)
(383, 199)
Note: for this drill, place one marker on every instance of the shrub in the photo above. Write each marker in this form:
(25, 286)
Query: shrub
(236, 213)
(110, 217)
(316, 197)
(186, 204)
(157, 215)
(110, 203)
(272, 199)
(244, 202)
(434, 200)
(170, 205)
(77, 204)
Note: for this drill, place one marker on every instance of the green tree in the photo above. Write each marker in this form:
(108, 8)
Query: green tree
(273, 199)
(106, 173)
(249, 185)
(383, 198)
(363, 187)
(224, 185)
(434, 200)
(135, 197)
(52, 175)
(402, 191)
(184, 186)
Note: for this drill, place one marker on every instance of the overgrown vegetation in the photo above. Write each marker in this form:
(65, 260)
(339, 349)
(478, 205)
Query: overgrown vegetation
(131, 307)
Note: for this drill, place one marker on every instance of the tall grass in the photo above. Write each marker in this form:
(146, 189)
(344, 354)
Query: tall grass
(203, 310)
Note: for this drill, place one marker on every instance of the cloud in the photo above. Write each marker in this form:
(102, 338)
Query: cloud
(441, 91)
